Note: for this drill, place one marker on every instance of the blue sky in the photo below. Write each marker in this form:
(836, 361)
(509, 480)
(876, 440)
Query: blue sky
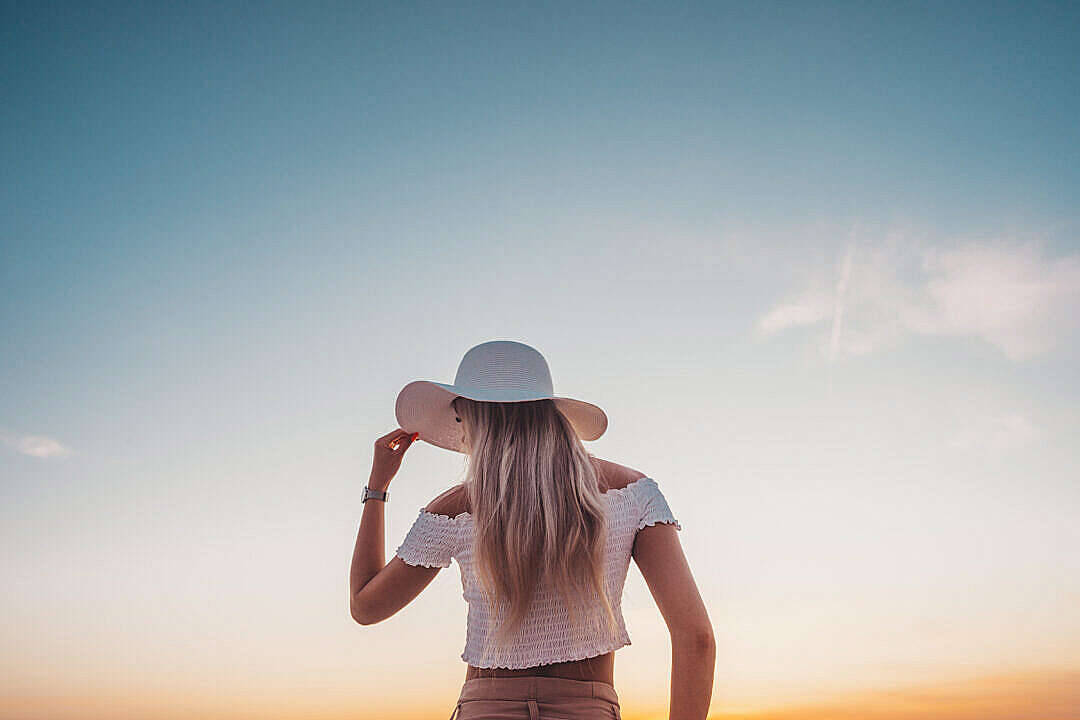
(818, 263)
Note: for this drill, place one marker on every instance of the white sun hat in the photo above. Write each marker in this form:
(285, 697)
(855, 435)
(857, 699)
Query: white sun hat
(494, 371)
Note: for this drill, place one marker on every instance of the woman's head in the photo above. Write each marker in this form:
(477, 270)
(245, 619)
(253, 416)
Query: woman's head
(538, 513)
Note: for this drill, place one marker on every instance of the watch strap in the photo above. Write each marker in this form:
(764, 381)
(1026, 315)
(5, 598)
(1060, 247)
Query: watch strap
(370, 494)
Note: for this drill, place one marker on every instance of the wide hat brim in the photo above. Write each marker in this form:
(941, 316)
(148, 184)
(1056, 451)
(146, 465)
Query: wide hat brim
(424, 406)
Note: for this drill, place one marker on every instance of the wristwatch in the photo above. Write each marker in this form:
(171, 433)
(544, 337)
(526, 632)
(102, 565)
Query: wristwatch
(370, 494)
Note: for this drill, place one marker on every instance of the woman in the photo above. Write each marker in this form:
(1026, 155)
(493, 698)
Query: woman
(543, 533)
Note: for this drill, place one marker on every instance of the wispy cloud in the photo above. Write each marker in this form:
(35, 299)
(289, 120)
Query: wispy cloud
(805, 310)
(841, 290)
(1007, 294)
(38, 446)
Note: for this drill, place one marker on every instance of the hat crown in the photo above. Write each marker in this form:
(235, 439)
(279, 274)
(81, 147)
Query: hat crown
(505, 366)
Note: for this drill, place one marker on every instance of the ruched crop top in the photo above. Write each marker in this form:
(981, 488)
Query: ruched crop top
(546, 635)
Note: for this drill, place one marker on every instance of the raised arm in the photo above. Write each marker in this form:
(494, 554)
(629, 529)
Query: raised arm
(659, 555)
(427, 548)
(378, 589)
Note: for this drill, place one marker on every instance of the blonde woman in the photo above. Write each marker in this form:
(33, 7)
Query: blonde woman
(543, 533)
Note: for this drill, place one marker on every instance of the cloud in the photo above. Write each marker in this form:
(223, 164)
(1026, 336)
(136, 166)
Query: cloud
(838, 312)
(38, 446)
(1006, 294)
(1011, 297)
(806, 310)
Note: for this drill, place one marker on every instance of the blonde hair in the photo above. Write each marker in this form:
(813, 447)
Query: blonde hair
(538, 514)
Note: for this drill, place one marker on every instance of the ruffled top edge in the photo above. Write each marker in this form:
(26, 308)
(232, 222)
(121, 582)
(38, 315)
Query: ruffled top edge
(465, 516)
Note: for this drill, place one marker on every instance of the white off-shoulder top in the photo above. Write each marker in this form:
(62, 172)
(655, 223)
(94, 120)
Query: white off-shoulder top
(546, 636)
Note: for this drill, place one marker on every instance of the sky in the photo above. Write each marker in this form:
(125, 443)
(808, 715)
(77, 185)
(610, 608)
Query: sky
(818, 263)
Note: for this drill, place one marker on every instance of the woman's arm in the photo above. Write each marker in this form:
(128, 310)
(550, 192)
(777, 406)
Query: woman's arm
(369, 553)
(693, 662)
(659, 555)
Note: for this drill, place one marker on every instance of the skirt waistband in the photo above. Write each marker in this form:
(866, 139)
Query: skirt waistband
(535, 687)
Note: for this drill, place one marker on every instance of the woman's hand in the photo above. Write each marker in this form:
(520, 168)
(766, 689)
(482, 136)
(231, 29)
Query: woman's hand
(389, 449)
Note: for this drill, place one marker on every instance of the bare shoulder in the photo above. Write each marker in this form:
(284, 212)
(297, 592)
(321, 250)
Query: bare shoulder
(452, 502)
(612, 475)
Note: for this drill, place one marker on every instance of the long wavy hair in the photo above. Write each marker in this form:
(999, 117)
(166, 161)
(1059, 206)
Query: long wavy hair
(538, 513)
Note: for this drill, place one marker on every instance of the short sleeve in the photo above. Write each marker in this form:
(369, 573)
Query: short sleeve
(652, 505)
(431, 541)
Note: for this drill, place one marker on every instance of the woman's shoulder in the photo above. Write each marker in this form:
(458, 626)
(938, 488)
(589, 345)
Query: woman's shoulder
(613, 476)
(451, 502)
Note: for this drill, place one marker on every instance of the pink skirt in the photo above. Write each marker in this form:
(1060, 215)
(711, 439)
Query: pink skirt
(536, 697)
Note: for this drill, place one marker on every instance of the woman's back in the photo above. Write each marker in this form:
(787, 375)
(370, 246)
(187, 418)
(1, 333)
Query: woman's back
(549, 642)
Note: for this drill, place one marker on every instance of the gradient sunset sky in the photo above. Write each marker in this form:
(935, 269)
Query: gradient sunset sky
(819, 263)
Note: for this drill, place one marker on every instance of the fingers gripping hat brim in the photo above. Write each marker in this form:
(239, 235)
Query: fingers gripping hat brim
(424, 406)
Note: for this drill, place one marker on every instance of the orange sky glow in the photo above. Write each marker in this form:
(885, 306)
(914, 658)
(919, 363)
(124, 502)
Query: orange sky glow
(1041, 695)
